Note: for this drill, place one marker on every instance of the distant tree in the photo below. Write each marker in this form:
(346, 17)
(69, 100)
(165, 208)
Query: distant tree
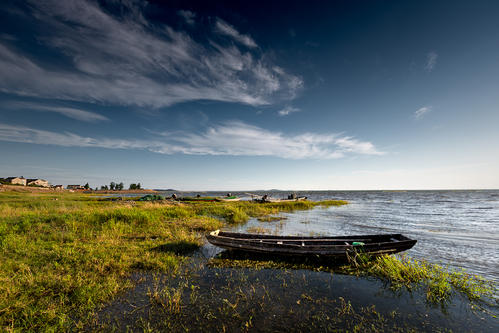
(120, 186)
(132, 186)
(96, 188)
(104, 187)
(138, 186)
(112, 186)
(86, 186)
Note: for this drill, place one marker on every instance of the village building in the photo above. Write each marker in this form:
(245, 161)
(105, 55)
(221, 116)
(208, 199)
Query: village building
(58, 187)
(75, 187)
(16, 180)
(38, 182)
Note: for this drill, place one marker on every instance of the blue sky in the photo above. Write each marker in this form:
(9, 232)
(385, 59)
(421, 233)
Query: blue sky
(241, 96)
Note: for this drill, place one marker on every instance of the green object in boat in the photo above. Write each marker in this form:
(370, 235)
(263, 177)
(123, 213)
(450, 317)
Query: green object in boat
(357, 244)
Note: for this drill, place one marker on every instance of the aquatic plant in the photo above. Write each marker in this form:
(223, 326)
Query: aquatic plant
(439, 282)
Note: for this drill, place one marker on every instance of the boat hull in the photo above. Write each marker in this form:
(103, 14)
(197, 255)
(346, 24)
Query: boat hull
(338, 247)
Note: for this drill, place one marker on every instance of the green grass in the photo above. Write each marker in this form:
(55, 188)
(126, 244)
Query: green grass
(438, 282)
(65, 254)
(271, 218)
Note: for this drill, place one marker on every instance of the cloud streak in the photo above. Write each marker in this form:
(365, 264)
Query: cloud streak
(431, 61)
(419, 113)
(288, 110)
(127, 61)
(69, 112)
(188, 16)
(228, 30)
(228, 139)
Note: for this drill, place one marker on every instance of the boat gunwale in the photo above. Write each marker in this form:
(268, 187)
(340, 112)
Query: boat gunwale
(236, 235)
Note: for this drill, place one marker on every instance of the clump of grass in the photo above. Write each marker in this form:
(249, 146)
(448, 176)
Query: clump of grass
(271, 218)
(258, 230)
(439, 282)
(242, 211)
(169, 298)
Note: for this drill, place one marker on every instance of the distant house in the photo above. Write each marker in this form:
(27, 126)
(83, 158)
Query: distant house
(38, 182)
(58, 187)
(75, 187)
(16, 180)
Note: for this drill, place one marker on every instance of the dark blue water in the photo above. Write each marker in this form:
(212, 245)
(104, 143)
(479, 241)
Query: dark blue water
(455, 228)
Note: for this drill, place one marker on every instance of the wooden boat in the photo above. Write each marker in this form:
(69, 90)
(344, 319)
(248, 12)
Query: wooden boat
(330, 246)
(267, 199)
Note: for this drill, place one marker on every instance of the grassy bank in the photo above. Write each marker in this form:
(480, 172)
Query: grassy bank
(65, 254)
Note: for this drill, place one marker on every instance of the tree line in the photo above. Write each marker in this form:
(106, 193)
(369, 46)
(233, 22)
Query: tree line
(116, 186)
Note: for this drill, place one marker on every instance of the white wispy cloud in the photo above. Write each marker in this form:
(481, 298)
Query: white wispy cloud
(228, 30)
(287, 110)
(431, 61)
(36, 136)
(422, 111)
(231, 138)
(70, 112)
(126, 61)
(188, 16)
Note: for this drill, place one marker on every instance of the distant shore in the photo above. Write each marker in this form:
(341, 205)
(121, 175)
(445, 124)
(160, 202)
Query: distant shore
(36, 189)
(118, 192)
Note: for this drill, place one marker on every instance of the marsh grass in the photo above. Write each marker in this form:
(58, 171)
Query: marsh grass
(258, 230)
(242, 300)
(438, 283)
(63, 255)
(271, 218)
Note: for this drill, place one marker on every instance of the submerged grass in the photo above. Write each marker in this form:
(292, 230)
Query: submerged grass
(64, 254)
(438, 283)
(243, 300)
